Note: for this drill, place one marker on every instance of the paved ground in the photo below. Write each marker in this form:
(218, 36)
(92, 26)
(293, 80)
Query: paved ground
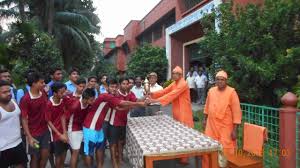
(159, 164)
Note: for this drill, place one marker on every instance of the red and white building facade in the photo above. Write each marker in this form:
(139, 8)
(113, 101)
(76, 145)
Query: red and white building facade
(171, 24)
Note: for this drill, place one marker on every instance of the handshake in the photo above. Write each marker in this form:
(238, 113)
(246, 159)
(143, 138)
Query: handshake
(148, 100)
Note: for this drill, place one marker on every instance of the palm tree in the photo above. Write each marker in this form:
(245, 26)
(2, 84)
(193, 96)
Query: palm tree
(72, 26)
(13, 8)
(71, 23)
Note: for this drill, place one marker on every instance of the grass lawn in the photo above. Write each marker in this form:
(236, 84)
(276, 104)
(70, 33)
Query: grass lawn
(198, 124)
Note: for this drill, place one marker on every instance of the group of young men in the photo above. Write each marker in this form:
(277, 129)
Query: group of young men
(76, 115)
(63, 116)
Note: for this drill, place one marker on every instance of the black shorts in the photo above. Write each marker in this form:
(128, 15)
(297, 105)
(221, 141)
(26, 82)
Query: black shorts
(44, 143)
(105, 128)
(51, 148)
(116, 133)
(13, 156)
(60, 147)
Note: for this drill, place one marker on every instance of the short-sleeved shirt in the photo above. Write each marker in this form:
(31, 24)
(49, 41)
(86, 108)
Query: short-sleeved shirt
(191, 82)
(33, 108)
(98, 111)
(54, 113)
(119, 117)
(50, 93)
(201, 81)
(102, 89)
(138, 92)
(21, 93)
(76, 114)
(70, 86)
(73, 96)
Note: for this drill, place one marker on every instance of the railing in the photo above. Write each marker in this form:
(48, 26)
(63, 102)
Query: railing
(267, 117)
(298, 140)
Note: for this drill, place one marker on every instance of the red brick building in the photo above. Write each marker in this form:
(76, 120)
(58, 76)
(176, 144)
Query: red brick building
(171, 24)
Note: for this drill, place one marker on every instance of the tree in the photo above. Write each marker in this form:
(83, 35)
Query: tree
(71, 23)
(148, 59)
(258, 46)
(102, 66)
(32, 49)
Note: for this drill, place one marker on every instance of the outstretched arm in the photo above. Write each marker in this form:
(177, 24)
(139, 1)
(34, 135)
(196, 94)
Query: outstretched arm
(173, 94)
(160, 93)
(129, 104)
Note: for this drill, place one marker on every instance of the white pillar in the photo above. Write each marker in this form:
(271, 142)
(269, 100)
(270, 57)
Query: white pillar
(168, 53)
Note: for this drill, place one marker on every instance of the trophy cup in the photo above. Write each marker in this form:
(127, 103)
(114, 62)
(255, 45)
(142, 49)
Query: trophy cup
(146, 86)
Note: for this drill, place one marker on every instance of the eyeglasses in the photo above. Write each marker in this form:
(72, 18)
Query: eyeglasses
(173, 73)
(221, 79)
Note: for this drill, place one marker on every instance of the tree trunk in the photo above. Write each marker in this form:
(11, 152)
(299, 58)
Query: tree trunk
(22, 10)
(50, 16)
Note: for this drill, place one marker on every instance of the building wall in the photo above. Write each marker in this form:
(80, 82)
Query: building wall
(136, 31)
(121, 60)
(119, 40)
(130, 33)
(106, 46)
(158, 11)
(160, 42)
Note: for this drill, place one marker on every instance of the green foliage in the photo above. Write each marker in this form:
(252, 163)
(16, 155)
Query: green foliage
(101, 65)
(297, 91)
(43, 58)
(167, 83)
(258, 46)
(148, 59)
(71, 24)
(104, 67)
(74, 24)
(30, 49)
(4, 55)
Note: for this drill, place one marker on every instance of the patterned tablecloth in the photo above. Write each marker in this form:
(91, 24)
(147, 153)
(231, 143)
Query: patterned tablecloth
(158, 135)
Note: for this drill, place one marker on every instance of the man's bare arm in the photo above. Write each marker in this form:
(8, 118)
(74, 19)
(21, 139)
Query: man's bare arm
(126, 104)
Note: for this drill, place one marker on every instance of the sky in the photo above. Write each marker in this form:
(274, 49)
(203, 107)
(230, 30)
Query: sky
(116, 14)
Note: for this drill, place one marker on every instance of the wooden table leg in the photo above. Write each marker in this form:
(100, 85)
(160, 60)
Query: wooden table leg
(213, 160)
(149, 162)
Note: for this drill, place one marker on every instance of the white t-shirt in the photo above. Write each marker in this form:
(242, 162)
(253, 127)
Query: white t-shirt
(138, 92)
(155, 88)
(10, 128)
(191, 82)
(195, 73)
(201, 81)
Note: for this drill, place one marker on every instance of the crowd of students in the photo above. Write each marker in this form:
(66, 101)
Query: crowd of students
(80, 115)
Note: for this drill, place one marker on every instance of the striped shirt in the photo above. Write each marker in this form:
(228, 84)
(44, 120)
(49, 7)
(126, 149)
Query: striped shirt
(98, 111)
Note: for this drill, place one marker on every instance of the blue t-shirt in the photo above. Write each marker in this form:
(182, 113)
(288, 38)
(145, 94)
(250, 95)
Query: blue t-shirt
(21, 93)
(70, 86)
(102, 89)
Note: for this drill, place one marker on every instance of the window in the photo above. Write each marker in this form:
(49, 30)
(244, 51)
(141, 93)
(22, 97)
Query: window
(170, 21)
(112, 44)
(189, 4)
(157, 33)
(146, 38)
(126, 49)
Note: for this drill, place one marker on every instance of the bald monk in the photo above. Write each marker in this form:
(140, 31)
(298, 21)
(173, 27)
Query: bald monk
(222, 115)
(177, 93)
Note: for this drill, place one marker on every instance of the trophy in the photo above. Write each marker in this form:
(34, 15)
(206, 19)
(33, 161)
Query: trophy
(146, 86)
